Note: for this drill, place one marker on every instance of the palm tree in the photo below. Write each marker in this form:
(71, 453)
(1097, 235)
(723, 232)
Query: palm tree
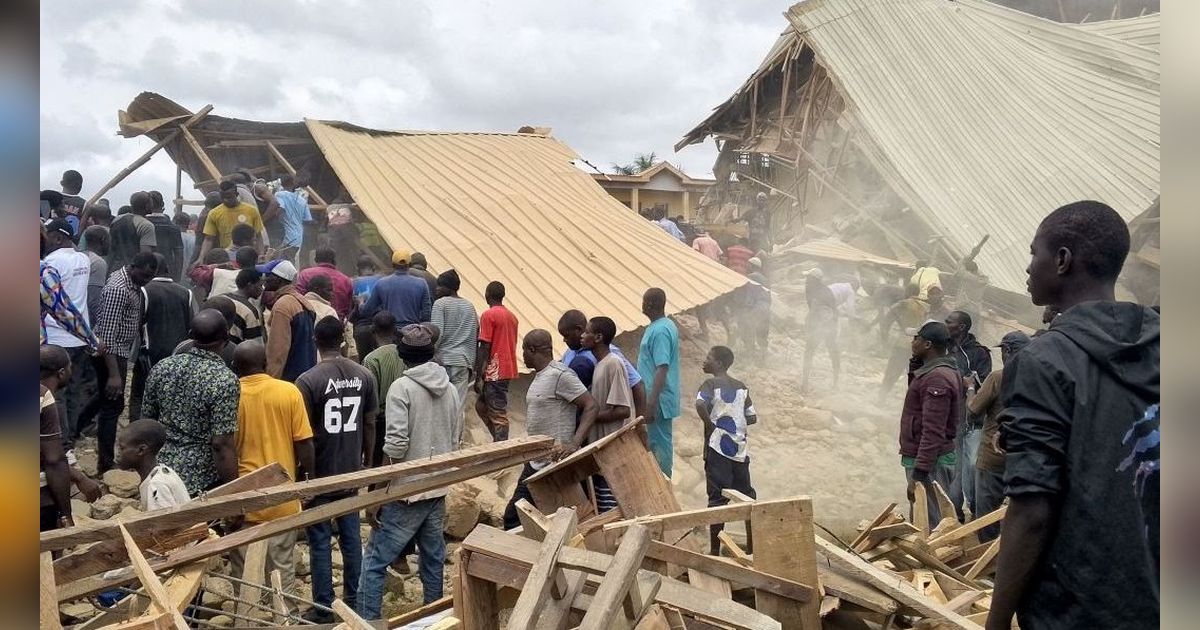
(641, 162)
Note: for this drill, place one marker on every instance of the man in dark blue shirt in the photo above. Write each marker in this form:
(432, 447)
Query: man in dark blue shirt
(407, 297)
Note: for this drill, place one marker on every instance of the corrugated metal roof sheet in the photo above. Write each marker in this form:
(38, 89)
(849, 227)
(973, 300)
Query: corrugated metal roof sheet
(1143, 30)
(512, 207)
(833, 249)
(985, 119)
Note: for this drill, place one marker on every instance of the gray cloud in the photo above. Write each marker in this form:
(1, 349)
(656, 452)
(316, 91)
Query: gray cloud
(613, 79)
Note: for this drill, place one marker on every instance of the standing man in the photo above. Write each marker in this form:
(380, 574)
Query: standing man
(708, 246)
(55, 486)
(1079, 429)
(218, 225)
(931, 412)
(272, 426)
(424, 419)
(343, 233)
(169, 309)
(167, 236)
(119, 326)
(385, 366)
(343, 287)
(363, 284)
(495, 361)
(758, 223)
(458, 324)
(403, 295)
(290, 348)
(132, 232)
(989, 467)
(420, 269)
(293, 213)
(974, 363)
(183, 221)
(340, 397)
(195, 396)
(820, 326)
(72, 203)
(658, 363)
(610, 390)
(97, 252)
(74, 272)
(659, 216)
(211, 201)
(556, 398)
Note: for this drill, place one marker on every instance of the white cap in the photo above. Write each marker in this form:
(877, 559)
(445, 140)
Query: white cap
(285, 270)
(815, 272)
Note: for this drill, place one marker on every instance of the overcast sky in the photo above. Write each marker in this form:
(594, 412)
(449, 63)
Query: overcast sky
(612, 78)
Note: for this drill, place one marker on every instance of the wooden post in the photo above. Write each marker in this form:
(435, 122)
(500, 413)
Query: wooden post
(687, 206)
(212, 169)
(179, 189)
(292, 171)
(136, 164)
(160, 602)
(633, 200)
(48, 596)
(784, 546)
(254, 567)
(479, 609)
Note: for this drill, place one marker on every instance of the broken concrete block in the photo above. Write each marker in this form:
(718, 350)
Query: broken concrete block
(123, 483)
(109, 506)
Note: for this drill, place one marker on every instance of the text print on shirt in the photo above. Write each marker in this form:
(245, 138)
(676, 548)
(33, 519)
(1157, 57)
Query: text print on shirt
(335, 420)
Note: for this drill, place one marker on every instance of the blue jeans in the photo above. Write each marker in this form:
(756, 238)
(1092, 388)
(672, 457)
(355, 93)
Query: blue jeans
(321, 551)
(400, 522)
(962, 487)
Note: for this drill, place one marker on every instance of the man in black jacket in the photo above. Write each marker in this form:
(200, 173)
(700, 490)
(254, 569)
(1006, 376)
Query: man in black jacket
(974, 362)
(1078, 550)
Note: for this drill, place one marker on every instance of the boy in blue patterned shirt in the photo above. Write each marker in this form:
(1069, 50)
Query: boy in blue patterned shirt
(724, 404)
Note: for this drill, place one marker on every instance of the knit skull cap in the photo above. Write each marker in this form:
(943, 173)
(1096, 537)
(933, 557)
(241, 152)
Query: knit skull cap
(449, 279)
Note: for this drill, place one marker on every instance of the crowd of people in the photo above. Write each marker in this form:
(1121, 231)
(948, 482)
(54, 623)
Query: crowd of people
(236, 358)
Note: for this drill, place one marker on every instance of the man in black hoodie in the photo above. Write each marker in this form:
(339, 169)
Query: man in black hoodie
(974, 362)
(1077, 551)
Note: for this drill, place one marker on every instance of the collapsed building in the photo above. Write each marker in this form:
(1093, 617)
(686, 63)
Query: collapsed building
(493, 206)
(921, 129)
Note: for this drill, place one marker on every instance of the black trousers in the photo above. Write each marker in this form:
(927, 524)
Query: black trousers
(108, 411)
(722, 473)
(511, 521)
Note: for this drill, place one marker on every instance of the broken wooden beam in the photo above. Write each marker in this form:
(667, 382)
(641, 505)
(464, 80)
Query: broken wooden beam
(209, 508)
(728, 570)
(545, 575)
(145, 157)
(621, 580)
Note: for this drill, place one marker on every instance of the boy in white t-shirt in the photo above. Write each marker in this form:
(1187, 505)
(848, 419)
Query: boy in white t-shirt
(137, 449)
(724, 404)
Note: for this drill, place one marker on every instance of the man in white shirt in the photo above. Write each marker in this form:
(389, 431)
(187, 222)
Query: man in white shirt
(137, 450)
(75, 269)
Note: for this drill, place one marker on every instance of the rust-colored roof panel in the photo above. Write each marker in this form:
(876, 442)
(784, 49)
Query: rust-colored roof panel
(512, 207)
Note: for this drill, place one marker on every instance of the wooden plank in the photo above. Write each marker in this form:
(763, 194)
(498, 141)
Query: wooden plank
(968, 529)
(945, 505)
(654, 619)
(735, 550)
(160, 602)
(892, 585)
(209, 508)
(735, 496)
(986, 559)
(545, 573)
(689, 519)
(887, 514)
(281, 605)
(642, 592)
(533, 523)
(886, 532)
(47, 594)
(254, 567)
(354, 503)
(556, 614)
(432, 608)
(783, 546)
(622, 571)
(448, 623)
(145, 157)
(920, 508)
(634, 477)
(710, 583)
(580, 455)
(271, 146)
(205, 161)
(349, 618)
(727, 570)
(929, 560)
(479, 608)
(514, 551)
(855, 592)
(964, 601)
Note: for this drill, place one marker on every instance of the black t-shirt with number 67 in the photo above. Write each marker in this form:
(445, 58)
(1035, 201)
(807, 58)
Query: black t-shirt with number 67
(337, 393)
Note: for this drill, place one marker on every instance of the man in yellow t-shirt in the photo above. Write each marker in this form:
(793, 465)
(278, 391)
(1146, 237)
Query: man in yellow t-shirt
(218, 227)
(272, 427)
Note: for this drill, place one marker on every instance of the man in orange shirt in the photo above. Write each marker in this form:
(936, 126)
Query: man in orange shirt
(496, 361)
(272, 427)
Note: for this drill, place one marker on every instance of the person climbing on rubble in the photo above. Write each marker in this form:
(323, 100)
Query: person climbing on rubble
(758, 223)
(555, 399)
(724, 406)
(754, 325)
(424, 419)
(820, 327)
(908, 314)
(1080, 407)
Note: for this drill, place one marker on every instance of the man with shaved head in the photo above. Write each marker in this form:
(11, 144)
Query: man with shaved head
(132, 232)
(555, 398)
(195, 396)
(658, 363)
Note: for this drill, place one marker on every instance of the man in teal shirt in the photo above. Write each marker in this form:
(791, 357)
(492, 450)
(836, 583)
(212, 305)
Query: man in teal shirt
(658, 364)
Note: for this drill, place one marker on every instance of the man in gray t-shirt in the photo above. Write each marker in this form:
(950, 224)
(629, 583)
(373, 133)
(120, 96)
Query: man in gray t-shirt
(555, 398)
